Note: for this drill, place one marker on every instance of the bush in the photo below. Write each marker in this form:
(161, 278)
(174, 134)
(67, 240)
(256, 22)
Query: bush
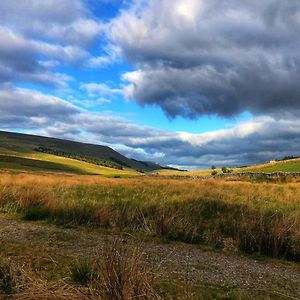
(214, 172)
(226, 170)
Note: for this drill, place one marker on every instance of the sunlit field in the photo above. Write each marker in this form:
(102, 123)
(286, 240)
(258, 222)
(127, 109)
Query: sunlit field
(259, 218)
(51, 163)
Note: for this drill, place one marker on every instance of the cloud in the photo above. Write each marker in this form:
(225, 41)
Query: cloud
(68, 22)
(191, 58)
(24, 108)
(101, 89)
(37, 37)
(257, 140)
(211, 57)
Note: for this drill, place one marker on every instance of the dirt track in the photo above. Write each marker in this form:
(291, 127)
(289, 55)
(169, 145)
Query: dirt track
(45, 244)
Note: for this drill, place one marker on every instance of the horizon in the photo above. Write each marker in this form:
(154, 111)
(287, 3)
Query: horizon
(188, 84)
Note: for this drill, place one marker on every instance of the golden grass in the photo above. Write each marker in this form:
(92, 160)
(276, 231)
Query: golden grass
(256, 217)
(118, 273)
(82, 167)
(186, 173)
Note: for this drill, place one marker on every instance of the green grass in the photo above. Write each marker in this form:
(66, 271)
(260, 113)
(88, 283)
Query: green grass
(28, 164)
(292, 165)
(83, 167)
(51, 163)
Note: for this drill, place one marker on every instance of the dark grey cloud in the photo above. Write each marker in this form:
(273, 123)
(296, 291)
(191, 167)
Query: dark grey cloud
(257, 140)
(218, 57)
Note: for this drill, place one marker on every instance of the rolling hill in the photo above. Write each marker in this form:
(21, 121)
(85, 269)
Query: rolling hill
(286, 166)
(38, 152)
(289, 165)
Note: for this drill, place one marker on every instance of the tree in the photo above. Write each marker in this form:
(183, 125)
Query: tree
(224, 170)
(213, 167)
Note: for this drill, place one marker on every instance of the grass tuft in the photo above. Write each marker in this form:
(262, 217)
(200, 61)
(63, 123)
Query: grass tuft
(82, 272)
(7, 277)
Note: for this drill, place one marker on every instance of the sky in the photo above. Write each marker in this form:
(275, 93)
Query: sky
(185, 83)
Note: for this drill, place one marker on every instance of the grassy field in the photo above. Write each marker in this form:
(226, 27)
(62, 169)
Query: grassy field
(185, 173)
(10, 162)
(292, 165)
(257, 217)
(50, 163)
(260, 219)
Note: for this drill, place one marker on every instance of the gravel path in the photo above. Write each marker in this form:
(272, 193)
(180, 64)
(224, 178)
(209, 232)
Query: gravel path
(176, 260)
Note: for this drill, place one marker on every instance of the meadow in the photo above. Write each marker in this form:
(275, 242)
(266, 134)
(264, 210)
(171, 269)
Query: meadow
(79, 236)
(261, 218)
(41, 162)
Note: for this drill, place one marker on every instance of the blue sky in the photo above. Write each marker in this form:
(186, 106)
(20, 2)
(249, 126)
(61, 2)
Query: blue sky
(185, 83)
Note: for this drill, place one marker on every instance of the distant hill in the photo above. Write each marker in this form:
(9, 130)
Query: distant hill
(284, 165)
(89, 153)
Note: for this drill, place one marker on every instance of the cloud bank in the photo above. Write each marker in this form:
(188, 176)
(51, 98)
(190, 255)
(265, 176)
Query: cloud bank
(212, 57)
(259, 139)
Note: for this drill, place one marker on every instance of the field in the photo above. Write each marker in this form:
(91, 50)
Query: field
(197, 223)
(74, 229)
(291, 165)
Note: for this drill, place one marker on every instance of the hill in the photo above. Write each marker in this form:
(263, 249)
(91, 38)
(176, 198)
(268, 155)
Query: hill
(288, 165)
(70, 153)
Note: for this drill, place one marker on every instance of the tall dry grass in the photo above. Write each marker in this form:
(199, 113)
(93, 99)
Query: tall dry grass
(119, 273)
(259, 218)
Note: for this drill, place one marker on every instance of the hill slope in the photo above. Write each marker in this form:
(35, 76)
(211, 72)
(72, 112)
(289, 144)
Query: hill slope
(38, 147)
(290, 165)
(287, 166)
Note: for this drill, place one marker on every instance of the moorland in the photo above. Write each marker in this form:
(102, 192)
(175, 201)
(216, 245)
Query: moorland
(72, 227)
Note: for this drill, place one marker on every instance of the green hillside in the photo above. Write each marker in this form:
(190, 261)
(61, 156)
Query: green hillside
(291, 165)
(27, 164)
(52, 149)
